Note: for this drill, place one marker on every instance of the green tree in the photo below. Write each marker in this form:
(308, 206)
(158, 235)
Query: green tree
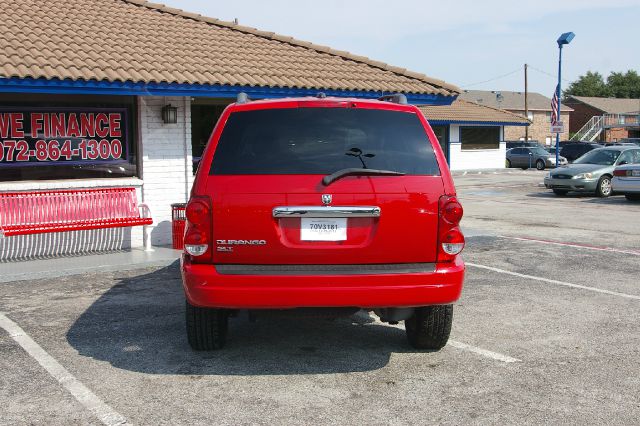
(590, 84)
(624, 85)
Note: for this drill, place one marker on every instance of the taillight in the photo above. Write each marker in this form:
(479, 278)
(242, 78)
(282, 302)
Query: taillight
(450, 238)
(197, 235)
(622, 173)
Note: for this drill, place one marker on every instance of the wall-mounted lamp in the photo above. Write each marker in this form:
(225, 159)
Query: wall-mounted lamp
(169, 114)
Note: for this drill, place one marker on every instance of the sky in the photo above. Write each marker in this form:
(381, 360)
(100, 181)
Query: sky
(479, 45)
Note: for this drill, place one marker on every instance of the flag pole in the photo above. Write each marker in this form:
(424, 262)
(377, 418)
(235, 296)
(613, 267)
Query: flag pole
(558, 114)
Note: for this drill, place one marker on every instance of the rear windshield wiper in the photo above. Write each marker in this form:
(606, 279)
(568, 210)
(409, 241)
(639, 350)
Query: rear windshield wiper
(329, 179)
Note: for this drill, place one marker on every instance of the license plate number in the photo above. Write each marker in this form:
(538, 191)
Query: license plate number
(635, 173)
(323, 229)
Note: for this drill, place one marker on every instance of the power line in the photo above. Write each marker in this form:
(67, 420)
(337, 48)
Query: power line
(493, 79)
(547, 74)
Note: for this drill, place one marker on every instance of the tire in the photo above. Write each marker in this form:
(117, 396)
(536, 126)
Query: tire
(540, 165)
(632, 197)
(206, 327)
(603, 190)
(507, 164)
(429, 327)
(560, 192)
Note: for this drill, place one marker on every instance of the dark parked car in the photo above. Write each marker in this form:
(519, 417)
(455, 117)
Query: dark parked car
(527, 157)
(517, 144)
(575, 150)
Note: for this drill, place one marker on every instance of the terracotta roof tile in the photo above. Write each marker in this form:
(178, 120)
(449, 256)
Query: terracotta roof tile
(133, 40)
(513, 101)
(464, 111)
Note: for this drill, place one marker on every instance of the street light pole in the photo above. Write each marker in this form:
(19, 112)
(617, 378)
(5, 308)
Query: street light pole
(565, 38)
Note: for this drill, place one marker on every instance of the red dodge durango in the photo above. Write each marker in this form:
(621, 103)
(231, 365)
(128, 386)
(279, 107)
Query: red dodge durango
(321, 202)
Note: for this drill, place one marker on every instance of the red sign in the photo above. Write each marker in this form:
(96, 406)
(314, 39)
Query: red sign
(31, 136)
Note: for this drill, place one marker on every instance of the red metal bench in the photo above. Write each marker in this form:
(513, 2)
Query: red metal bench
(38, 212)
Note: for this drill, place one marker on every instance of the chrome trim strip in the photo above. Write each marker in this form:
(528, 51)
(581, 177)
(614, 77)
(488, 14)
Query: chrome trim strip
(326, 211)
(362, 269)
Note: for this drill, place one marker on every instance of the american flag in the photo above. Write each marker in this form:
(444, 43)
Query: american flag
(554, 108)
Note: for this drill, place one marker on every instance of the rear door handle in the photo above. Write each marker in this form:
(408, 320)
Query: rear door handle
(327, 211)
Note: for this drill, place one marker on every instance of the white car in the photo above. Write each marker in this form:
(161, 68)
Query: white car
(626, 180)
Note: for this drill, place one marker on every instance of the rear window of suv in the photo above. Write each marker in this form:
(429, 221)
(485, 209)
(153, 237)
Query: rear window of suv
(322, 141)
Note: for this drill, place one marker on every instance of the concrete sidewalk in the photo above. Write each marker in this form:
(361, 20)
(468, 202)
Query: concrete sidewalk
(502, 171)
(62, 266)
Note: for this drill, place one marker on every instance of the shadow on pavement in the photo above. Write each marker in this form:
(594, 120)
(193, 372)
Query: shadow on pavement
(138, 325)
(584, 197)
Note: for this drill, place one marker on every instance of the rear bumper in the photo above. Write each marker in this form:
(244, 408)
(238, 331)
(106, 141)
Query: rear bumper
(205, 287)
(625, 186)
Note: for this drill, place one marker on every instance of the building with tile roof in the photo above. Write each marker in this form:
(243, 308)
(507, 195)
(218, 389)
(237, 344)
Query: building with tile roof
(472, 135)
(135, 47)
(604, 119)
(539, 113)
(159, 77)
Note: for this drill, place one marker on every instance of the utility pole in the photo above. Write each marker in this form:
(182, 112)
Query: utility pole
(526, 105)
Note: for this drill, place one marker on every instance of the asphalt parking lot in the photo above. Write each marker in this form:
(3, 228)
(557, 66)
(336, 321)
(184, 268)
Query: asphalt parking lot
(546, 332)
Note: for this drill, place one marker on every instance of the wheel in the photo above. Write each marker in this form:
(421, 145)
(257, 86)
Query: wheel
(632, 197)
(206, 327)
(429, 327)
(560, 192)
(540, 165)
(604, 187)
(507, 164)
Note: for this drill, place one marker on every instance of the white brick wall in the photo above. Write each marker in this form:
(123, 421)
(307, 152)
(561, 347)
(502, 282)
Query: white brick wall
(167, 176)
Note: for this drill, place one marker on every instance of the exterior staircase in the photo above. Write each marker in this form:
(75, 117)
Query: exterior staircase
(591, 129)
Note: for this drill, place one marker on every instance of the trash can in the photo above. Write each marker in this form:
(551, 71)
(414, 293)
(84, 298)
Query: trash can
(178, 220)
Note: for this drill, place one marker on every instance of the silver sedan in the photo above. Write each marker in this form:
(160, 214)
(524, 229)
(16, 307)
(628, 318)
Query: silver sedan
(532, 156)
(592, 172)
(626, 180)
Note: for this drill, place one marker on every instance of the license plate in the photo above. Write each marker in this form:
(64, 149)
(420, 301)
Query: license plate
(323, 229)
(635, 173)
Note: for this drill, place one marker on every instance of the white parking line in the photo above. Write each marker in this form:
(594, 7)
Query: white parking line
(478, 351)
(574, 245)
(483, 352)
(532, 277)
(80, 392)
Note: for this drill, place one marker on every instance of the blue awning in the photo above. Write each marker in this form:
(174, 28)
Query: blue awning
(92, 87)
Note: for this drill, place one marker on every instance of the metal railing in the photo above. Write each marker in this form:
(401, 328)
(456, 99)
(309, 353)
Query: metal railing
(597, 123)
(590, 130)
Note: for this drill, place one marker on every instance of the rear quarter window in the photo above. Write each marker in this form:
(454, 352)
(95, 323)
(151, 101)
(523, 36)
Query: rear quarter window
(322, 141)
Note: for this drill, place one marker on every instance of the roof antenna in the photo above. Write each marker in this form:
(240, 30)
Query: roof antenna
(397, 98)
(242, 98)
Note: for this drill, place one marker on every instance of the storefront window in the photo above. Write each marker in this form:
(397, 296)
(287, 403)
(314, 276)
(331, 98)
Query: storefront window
(204, 116)
(47, 137)
(480, 137)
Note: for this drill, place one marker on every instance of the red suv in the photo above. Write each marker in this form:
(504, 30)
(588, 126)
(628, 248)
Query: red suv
(323, 202)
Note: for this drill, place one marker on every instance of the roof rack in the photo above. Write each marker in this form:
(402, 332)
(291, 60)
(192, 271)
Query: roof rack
(242, 98)
(397, 98)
